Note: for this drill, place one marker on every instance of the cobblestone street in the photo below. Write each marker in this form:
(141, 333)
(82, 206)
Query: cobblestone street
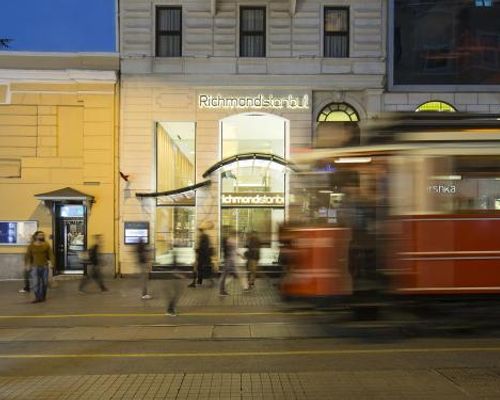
(244, 346)
(420, 384)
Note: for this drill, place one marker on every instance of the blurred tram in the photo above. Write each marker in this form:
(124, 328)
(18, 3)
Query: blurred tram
(414, 212)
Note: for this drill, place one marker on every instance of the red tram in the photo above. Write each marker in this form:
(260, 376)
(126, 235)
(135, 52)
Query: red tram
(435, 192)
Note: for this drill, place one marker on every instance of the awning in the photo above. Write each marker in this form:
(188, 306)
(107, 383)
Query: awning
(65, 194)
(175, 192)
(251, 159)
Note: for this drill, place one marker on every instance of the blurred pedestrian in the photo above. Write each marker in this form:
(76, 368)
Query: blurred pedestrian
(204, 252)
(358, 212)
(27, 271)
(142, 253)
(174, 288)
(94, 259)
(252, 255)
(38, 257)
(231, 266)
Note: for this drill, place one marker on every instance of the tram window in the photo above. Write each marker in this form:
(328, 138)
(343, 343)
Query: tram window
(469, 183)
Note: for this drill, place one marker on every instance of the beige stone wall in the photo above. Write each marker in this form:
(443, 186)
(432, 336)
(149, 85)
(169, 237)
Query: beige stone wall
(475, 102)
(58, 134)
(294, 39)
(147, 99)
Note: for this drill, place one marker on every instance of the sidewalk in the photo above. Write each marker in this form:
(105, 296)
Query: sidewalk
(124, 295)
(121, 314)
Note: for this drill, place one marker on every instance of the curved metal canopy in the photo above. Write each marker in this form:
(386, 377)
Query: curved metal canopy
(175, 191)
(248, 157)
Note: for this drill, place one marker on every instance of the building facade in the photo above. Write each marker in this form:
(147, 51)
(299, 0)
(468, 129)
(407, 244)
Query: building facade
(208, 89)
(204, 84)
(444, 52)
(215, 98)
(58, 153)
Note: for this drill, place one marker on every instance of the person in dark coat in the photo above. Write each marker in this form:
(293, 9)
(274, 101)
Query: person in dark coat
(358, 212)
(96, 263)
(143, 254)
(203, 263)
(252, 255)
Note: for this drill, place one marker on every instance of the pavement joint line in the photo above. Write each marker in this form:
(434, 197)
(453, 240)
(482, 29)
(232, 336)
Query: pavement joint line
(192, 314)
(257, 353)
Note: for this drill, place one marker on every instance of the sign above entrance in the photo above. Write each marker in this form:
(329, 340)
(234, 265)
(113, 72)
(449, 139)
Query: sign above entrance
(246, 199)
(136, 232)
(259, 101)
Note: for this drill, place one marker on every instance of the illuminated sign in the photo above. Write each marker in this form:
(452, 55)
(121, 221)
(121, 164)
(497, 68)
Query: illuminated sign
(260, 101)
(253, 199)
(17, 232)
(136, 232)
(442, 189)
(75, 211)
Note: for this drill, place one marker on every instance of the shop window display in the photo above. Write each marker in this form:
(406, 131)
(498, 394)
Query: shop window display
(175, 215)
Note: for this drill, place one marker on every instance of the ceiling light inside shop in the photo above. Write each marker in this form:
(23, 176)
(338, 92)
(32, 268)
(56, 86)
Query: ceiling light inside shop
(447, 177)
(353, 160)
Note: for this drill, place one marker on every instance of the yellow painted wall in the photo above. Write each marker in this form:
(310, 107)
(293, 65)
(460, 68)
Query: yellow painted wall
(61, 134)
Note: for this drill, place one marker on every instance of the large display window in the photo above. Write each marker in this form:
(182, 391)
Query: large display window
(446, 42)
(175, 235)
(253, 191)
(175, 215)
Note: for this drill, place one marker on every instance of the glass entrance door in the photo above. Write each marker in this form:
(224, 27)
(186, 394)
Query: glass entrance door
(264, 221)
(253, 192)
(70, 238)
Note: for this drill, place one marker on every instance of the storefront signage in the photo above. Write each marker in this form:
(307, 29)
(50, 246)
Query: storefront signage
(259, 101)
(442, 189)
(253, 199)
(17, 233)
(136, 232)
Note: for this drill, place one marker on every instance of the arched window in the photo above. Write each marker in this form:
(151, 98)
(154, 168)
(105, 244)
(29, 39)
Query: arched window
(338, 112)
(435, 106)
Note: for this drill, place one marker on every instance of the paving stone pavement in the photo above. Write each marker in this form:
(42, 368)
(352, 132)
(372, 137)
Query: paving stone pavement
(264, 294)
(125, 294)
(413, 385)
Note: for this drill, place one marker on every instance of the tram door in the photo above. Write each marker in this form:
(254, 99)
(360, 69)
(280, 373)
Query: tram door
(70, 237)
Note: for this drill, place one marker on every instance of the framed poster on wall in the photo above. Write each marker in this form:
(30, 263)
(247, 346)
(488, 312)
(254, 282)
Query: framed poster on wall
(17, 233)
(135, 232)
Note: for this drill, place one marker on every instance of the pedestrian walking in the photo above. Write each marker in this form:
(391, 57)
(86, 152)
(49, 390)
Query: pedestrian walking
(252, 255)
(204, 252)
(143, 258)
(174, 288)
(38, 257)
(27, 272)
(231, 267)
(94, 258)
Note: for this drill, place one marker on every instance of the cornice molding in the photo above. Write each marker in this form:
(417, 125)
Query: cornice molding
(58, 76)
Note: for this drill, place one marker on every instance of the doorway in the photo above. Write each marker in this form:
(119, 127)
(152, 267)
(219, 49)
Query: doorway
(264, 222)
(246, 184)
(70, 238)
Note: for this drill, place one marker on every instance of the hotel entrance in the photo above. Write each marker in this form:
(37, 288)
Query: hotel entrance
(70, 237)
(253, 188)
(70, 209)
